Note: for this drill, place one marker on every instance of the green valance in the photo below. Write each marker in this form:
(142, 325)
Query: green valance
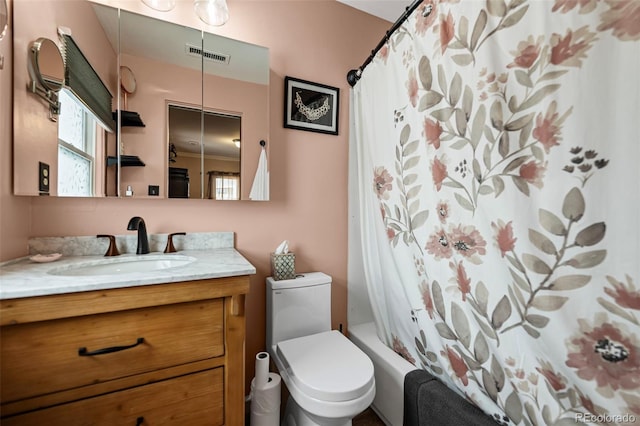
(86, 84)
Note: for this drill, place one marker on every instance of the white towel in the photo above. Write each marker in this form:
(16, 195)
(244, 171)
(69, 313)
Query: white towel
(260, 187)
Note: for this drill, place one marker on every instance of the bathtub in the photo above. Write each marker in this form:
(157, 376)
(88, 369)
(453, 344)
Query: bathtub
(389, 369)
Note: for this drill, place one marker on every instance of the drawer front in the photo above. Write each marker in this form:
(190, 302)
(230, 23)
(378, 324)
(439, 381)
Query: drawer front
(192, 400)
(43, 357)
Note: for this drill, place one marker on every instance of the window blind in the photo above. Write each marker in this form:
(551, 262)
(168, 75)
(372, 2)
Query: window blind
(86, 84)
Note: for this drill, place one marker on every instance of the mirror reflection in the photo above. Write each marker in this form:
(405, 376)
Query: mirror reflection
(4, 18)
(143, 65)
(217, 154)
(42, 144)
(176, 65)
(236, 80)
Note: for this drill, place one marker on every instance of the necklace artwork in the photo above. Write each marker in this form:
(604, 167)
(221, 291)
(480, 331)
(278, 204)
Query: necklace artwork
(312, 114)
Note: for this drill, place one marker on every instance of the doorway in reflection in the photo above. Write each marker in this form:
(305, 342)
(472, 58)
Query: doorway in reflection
(204, 153)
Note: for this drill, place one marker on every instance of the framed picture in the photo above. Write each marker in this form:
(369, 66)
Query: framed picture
(310, 106)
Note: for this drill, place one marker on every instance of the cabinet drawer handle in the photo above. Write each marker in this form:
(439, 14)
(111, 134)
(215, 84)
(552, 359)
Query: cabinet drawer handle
(84, 352)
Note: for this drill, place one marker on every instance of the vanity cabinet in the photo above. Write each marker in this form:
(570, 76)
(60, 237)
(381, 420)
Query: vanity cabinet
(165, 354)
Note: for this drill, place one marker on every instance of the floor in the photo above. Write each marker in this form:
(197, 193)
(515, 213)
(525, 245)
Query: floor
(366, 418)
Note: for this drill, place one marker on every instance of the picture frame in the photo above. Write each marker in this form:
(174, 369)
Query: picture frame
(311, 106)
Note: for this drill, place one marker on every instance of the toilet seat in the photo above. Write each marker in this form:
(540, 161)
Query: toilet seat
(327, 366)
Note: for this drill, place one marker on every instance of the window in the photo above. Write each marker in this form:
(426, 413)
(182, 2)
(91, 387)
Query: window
(79, 135)
(223, 186)
(227, 188)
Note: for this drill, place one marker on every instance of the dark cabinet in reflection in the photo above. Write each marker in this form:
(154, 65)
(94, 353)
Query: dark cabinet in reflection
(178, 182)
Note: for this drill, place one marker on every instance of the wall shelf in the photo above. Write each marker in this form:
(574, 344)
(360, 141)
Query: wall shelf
(129, 118)
(126, 161)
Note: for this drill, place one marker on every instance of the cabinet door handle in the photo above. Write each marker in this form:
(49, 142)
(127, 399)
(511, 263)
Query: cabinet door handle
(85, 352)
(139, 421)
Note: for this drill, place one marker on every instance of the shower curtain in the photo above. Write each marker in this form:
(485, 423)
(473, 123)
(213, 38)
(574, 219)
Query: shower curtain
(499, 193)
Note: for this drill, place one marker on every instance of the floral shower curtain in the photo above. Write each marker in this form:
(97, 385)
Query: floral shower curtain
(497, 162)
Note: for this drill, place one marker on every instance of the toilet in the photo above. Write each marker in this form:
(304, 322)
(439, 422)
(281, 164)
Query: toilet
(330, 380)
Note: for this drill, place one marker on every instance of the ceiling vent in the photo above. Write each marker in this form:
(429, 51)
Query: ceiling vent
(219, 58)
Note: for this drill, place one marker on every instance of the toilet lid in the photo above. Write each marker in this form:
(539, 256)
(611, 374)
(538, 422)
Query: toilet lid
(327, 366)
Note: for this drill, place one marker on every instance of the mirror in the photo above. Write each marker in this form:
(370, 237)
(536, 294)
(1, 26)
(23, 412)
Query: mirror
(153, 53)
(180, 66)
(236, 79)
(154, 64)
(127, 83)
(216, 154)
(46, 69)
(70, 150)
(4, 18)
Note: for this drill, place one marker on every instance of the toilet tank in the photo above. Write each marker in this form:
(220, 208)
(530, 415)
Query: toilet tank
(297, 307)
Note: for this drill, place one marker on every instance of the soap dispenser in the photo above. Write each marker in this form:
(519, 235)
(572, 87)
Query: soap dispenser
(129, 191)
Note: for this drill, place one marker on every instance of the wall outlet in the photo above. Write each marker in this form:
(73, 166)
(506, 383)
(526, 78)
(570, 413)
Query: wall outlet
(43, 178)
(154, 190)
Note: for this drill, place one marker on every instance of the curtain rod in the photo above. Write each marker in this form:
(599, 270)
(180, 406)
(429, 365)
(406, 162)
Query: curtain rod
(354, 75)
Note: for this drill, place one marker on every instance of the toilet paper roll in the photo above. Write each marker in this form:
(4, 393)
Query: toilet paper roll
(265, 402)
(262, 370)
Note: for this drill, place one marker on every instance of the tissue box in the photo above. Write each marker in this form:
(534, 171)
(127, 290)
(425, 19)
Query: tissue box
(283, 266)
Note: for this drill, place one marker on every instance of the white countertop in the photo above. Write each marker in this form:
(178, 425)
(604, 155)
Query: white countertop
(25, 278)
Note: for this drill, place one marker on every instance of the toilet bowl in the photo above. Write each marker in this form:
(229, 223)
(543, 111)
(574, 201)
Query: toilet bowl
(329, 379)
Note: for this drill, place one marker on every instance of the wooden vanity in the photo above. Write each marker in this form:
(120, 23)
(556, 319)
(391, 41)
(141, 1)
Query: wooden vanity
(160, 354)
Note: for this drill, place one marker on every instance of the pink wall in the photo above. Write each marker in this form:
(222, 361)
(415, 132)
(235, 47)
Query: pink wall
(15, 212)
(313, 40)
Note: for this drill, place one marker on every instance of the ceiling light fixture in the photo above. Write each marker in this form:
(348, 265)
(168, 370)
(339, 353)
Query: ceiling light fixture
(160, 5)
(212, 12)
(237, 142)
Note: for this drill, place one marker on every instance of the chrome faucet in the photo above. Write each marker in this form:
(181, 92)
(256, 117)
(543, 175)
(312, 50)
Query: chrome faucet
(137, 223)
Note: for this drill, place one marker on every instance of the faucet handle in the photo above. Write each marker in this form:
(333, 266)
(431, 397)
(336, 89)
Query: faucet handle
(113, 248)
(170, 248)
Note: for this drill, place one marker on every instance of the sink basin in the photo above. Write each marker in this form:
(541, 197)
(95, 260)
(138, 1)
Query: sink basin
(125, 265)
